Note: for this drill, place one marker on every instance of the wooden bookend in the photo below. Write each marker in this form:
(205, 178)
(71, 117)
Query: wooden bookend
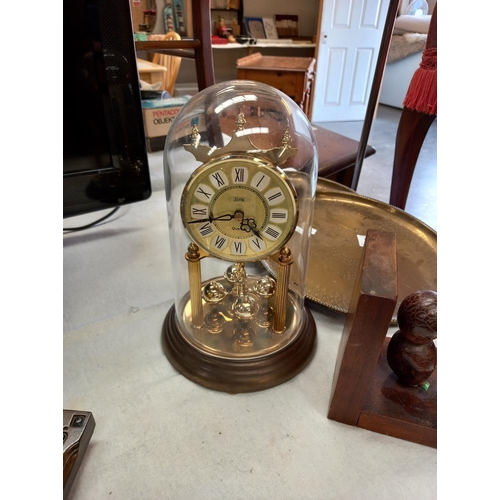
(390, 408)
(365, 391)
(368, 318)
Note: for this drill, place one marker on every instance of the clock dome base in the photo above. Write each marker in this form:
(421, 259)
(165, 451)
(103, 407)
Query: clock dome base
(237, 375)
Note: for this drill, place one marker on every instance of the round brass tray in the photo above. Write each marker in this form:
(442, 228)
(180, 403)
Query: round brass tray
(341, 220)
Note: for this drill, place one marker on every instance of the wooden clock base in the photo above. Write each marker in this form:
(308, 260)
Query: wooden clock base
(239, 375)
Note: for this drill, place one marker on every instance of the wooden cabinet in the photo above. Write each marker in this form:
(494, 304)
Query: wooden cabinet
(292, 75)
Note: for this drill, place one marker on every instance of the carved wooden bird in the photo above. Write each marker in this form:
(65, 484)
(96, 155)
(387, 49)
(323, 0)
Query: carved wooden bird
(411, 353)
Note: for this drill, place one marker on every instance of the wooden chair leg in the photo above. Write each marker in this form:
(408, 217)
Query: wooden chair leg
(202, 29)
(412, 129)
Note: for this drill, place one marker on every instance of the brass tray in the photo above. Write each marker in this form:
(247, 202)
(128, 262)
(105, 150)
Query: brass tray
(341, 220)
(326, 185)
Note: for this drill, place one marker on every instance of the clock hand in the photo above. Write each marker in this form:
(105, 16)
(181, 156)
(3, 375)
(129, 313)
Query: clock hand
(248, 225)
(224, 217)
(248, 222)
(211, 219)
(257, 233)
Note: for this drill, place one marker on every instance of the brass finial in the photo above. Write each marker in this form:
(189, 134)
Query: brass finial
(195, 136)
(286, 139)
(240, 143)
(285, 255)
(193, 251)
(240, 121)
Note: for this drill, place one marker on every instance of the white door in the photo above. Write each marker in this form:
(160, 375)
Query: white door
(348, 47)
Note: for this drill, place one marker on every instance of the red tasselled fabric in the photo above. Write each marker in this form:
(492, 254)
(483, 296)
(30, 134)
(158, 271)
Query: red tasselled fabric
(422, 92)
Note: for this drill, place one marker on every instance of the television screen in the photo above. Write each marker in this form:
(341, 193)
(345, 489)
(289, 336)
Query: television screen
(105, 157)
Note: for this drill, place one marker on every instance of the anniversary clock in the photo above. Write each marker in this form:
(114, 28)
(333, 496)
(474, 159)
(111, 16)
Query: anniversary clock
(240, 169)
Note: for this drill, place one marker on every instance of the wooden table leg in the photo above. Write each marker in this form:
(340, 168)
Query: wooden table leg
(412, 129)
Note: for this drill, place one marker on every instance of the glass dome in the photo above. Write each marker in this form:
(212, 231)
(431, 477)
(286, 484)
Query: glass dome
(241, 168)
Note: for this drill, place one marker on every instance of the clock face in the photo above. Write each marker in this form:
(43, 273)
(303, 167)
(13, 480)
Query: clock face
(239, 209)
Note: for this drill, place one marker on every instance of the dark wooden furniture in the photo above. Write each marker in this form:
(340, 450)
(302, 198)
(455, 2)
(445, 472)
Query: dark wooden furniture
(198, 48)
(414, 124)
(292, 75)
(412, 129)
(365, 391)
(337, 156)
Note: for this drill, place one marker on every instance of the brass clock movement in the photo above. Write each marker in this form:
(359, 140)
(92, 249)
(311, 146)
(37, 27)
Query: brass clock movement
(240, 169)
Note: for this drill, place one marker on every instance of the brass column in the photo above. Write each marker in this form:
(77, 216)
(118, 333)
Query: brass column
(285, 260)
(193, 258)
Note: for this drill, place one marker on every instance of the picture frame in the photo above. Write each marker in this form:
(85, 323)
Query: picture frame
(255, 27)
(270, 28)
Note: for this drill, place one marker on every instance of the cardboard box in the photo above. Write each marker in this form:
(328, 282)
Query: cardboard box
(160, 113)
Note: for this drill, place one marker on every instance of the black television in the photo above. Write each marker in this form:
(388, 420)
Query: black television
(105, 161)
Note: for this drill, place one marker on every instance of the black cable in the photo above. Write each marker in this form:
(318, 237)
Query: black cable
(71, 229)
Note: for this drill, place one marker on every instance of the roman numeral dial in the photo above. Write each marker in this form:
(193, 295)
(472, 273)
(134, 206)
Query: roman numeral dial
(239, 208)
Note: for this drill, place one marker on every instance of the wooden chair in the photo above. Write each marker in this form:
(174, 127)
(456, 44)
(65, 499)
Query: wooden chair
(198, 48)
(171, 63)
(419, 112)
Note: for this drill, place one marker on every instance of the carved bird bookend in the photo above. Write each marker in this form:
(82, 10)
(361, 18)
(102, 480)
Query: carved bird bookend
(411, 353)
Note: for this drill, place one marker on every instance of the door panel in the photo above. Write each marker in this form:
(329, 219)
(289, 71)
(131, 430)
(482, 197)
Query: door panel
(350, 36)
